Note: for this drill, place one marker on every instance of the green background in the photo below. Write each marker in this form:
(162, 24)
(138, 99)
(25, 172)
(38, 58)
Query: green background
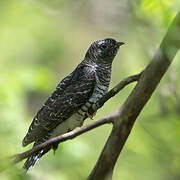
(42, 41)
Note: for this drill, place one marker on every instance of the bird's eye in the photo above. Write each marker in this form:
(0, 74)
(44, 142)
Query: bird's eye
(104, 46)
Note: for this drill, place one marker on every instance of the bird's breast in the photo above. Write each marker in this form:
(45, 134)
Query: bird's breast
(69, 124)
(103, 77)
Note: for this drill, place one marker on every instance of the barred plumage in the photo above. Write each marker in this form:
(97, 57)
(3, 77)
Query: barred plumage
(66, 108)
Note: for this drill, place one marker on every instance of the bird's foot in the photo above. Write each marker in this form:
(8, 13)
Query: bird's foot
(91, 116)
(54, 147)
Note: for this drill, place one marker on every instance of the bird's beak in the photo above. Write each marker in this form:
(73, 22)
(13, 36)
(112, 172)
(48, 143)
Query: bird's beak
(118, 44)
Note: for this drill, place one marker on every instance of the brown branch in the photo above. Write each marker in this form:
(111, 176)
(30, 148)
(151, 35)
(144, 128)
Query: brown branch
(118, 88)
(70, 135)
(134, 104)
(58, 139)
(114, 91)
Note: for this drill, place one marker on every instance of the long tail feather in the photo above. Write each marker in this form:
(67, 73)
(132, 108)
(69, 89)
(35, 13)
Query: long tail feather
(33, 159)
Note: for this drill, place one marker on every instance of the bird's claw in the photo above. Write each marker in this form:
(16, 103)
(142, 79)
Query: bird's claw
(54, 147)
(91, 116)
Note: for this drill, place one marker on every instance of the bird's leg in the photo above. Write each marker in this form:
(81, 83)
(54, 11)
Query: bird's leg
(92, 111)
(54, 147)
(91, 116)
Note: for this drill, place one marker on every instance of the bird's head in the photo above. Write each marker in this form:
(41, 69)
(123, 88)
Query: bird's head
(103, 50)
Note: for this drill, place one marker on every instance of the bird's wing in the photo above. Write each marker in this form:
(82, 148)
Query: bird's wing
(71, 93)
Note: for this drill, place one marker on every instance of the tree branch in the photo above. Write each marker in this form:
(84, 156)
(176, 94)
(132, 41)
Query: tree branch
(72, 134)
(114, 91)
(134, 104)
(58, 139)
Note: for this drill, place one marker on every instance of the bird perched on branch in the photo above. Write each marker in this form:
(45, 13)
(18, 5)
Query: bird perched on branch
(68, 105)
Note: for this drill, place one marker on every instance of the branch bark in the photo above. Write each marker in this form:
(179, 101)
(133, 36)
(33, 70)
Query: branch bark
(134, 104)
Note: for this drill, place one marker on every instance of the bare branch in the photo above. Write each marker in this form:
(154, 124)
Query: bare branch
(115, 90)
(58, 139)
(134, 104)
(70, 135)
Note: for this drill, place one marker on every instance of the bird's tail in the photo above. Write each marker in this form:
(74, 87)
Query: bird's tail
(32, 160)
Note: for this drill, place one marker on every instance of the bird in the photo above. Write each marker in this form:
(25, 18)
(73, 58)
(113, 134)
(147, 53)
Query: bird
(68, 105)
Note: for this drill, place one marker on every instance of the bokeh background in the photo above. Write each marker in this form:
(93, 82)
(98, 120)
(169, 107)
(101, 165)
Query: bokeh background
(42, 41)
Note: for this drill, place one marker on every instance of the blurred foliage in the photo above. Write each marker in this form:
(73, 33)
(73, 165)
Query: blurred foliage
(43, 41)
(162, 11)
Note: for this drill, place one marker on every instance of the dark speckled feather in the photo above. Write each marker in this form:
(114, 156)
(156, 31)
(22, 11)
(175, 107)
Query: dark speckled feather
(66, 108)
(71, 93)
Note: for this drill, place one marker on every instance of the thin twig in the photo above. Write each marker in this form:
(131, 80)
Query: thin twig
(115, 90)
(61, 138)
